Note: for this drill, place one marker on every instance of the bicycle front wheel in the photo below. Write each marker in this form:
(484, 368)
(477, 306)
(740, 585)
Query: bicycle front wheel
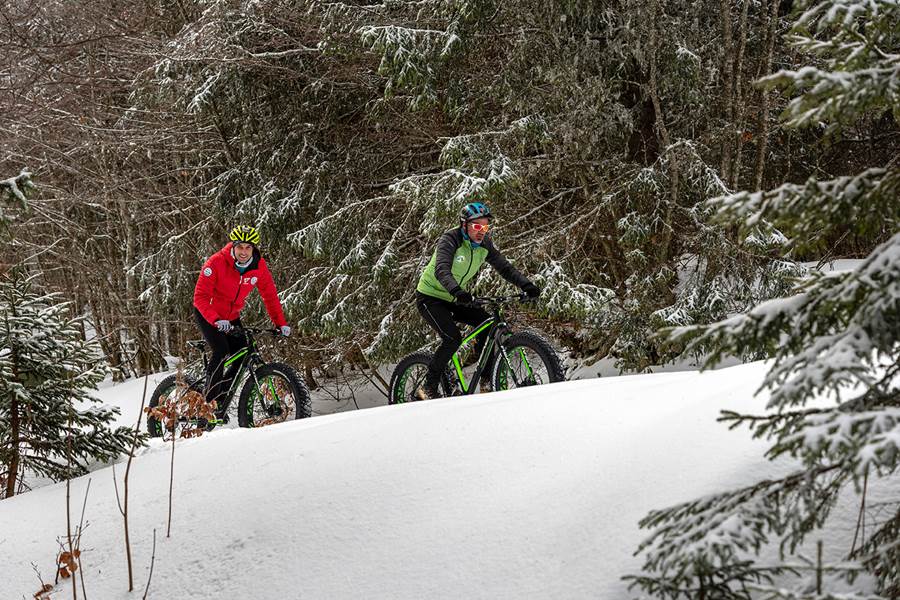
(530, 360)
(274, 393)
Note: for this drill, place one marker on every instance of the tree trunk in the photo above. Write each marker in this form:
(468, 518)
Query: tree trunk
(657, 108)
(727, 115)
(764, 108)
(663, 248)
(739, 106)
(111, 348)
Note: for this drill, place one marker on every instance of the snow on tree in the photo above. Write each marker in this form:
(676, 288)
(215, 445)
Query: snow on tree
(47, 371)
(683, 267)
(352, 132)
(13, 190)
(837, 338)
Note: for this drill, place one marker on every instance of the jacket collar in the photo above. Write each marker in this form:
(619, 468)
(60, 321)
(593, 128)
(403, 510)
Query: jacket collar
(474, 245)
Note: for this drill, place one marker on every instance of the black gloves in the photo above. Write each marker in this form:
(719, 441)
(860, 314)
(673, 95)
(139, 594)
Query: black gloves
(532, 290)
(462, 296)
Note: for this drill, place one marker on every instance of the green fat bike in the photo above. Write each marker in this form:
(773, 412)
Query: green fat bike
(509, 359)
(270, 392)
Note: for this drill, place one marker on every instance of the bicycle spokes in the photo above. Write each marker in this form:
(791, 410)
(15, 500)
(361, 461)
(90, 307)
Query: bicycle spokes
(410, 381)
(273, 401)
(522, 367)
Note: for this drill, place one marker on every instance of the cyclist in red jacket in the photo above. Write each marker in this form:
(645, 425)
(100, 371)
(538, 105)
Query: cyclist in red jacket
(225, 281)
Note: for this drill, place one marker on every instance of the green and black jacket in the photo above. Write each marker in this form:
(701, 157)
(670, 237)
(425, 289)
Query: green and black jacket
(456, 261)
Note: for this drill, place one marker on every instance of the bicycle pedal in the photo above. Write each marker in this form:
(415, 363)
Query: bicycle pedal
(214, 422)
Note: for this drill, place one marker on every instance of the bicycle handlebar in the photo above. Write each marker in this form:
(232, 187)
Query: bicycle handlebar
(486, 300)
(236, 330)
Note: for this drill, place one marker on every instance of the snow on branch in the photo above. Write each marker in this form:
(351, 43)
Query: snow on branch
(465, 150)
(441, 194)
(707, 543)
(867, 201)
(16, 187)
(829, 336)
(860, 67)
(410, 58)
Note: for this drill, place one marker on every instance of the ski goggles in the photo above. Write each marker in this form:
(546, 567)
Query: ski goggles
(479, 227)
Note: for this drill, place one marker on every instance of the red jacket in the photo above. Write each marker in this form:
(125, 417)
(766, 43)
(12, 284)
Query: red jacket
(221, 290)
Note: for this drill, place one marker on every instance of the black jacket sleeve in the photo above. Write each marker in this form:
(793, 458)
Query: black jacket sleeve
(503, 266)
(446, 249)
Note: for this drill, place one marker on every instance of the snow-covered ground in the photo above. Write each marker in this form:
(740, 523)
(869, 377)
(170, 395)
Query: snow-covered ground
(533, 493)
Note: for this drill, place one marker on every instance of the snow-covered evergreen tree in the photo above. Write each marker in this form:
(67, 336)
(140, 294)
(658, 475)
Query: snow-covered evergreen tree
(837, 339)
(350, 132)
(47, 371)
(683, 267)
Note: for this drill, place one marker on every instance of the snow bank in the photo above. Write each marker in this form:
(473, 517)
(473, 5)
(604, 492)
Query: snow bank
(529, 493)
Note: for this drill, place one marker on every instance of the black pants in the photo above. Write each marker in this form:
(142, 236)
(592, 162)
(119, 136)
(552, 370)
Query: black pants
(442, 316)
(218, 380)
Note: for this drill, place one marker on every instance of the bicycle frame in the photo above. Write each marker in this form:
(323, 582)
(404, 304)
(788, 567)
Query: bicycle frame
(248, 359)
(496, 331)
(492, 338)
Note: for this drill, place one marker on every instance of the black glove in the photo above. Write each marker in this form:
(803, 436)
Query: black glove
(532, 290)
(462, 296)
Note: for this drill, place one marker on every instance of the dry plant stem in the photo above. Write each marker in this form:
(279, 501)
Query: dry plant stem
(15, 431)
(152, 560)
(78, 540)
(178, 383)
(45, 587)
(819, 567)
(68, 489)
(171, 482)
(384, 384)
(137, 429)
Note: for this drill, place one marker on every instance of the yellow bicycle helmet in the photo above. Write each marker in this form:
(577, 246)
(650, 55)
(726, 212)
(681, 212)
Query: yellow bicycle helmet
(245, 233)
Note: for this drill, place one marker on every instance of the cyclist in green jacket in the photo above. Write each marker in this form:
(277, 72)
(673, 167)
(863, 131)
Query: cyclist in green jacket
(441, 296)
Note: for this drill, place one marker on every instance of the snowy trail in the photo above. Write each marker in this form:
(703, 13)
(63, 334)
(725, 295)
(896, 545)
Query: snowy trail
(530, 493)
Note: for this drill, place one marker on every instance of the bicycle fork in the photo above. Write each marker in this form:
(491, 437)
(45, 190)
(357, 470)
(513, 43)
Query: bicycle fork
(504, 354)
(274, 409)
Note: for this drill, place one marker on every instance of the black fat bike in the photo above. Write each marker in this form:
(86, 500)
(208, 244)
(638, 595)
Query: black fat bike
(270, 392)
(508, 359)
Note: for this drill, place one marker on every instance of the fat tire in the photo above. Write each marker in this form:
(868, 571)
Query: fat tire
(408, 361)
(533, 341)
(303, 407)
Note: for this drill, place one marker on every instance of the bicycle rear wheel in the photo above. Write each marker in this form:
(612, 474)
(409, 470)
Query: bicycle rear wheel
(530, 360)
(172, 390)
(409, 375)
(274, 394)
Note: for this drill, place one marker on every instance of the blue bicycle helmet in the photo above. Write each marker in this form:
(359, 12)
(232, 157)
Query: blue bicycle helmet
(474, 210)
